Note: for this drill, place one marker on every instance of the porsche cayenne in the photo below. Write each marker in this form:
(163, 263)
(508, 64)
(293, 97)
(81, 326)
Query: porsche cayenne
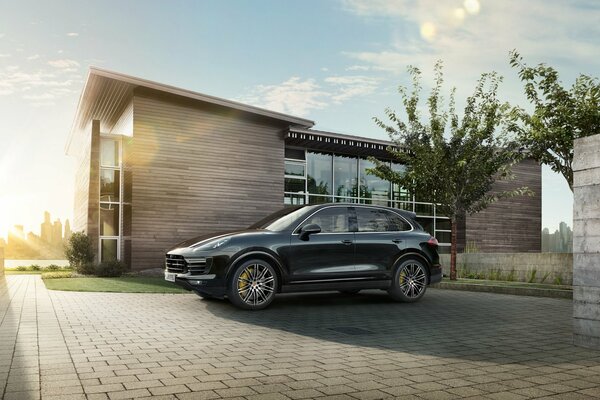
(339, 247)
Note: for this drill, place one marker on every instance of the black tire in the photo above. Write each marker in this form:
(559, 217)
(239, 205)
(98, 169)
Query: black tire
(350, 291)
(410, 281)
(252, 285)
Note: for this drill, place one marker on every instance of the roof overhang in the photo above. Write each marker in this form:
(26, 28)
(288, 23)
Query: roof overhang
(339, 143)
(106, 94)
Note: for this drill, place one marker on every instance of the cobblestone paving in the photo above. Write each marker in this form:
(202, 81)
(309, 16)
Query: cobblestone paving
(452, 344)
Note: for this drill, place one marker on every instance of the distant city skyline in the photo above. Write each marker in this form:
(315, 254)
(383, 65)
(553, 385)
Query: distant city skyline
(48, 244)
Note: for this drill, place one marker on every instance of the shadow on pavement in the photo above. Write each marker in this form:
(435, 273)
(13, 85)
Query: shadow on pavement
(474, 326)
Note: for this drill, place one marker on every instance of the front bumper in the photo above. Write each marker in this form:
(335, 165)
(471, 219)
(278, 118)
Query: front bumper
(206, 284)
(435, 274)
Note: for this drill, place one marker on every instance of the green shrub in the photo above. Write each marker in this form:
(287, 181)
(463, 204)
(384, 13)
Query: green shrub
(53, 267)
(34, 267)
(531, 275)
(558, 279)
(546, 275)
(511, 275)
(495, 275)
(110, 269)
(57, 274)
(21, 268)
(79, 251)
(87, 269)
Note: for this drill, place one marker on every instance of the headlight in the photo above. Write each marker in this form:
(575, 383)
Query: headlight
(213, 244)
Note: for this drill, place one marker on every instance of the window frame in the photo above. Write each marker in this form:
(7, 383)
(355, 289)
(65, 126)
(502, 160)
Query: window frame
(296, 230)
(412, 228)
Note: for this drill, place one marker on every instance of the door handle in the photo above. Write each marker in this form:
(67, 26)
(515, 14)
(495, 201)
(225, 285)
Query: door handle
(397, 241)
(347, 242)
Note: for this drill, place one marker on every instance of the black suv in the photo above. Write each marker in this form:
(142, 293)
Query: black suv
(344, 247)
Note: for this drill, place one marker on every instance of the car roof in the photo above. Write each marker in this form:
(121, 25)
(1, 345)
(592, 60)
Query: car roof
(406, 213)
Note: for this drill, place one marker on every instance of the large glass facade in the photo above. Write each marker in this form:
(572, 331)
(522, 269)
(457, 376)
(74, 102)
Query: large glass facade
(313, 177)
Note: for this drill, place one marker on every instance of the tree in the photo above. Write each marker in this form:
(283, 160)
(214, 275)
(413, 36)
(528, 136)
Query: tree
(451, 161)
(79, 252)
(559, 115)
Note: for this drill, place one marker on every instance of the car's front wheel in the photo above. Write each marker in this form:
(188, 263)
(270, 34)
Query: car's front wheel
(409, 282)
(253, 285)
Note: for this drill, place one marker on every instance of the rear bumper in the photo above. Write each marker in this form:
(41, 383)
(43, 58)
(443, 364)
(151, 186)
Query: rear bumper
(436, 274)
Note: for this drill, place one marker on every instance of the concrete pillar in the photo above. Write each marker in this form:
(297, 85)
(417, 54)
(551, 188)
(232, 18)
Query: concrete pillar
(586, 242)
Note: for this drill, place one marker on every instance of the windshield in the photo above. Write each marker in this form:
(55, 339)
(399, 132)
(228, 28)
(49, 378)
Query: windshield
(279, 220)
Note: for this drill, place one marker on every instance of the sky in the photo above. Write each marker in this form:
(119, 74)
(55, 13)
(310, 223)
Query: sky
(337, 62)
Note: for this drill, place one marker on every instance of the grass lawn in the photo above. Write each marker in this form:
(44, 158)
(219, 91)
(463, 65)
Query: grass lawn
(137, 284)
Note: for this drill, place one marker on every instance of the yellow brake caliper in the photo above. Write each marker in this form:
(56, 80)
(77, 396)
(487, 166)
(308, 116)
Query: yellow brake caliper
(244, 282)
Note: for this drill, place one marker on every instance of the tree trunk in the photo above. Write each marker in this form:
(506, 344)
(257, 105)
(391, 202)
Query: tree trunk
(454, 226)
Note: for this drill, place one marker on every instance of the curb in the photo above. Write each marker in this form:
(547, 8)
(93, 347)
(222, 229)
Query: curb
(518, 291)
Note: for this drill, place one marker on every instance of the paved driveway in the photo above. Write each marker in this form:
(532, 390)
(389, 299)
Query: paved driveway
(452, 344)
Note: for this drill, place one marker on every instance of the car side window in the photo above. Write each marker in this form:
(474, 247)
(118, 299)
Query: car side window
(331, 220)
(376, 220)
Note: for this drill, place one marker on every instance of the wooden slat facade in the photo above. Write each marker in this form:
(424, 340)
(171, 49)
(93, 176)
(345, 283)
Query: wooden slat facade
(199, 168)
(511, 225)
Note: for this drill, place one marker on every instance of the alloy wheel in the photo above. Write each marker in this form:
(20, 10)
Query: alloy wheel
(412, 280)
(256, 284)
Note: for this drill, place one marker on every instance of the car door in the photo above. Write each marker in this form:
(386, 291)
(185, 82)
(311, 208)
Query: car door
(325, 255)
(380, 238)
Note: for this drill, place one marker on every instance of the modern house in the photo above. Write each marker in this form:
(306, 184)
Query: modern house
(158, 165)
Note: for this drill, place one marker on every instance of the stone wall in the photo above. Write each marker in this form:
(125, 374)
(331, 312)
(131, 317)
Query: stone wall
(586, 242)
(548, 267)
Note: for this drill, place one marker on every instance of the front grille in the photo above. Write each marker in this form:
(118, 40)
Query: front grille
(176, 264)
(179, 265)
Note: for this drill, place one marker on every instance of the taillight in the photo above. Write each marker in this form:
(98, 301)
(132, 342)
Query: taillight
(433, 242)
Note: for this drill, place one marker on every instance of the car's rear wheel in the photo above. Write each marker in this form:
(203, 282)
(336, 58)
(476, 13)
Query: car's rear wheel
(409, 282)
(253, 285)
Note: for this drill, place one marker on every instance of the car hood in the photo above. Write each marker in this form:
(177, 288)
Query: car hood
(199, 240)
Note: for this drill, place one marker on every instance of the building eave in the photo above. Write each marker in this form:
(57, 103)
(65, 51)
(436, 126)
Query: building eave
(123, 85)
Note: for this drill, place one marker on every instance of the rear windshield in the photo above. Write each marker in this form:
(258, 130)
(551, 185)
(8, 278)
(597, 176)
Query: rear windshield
(279, 220)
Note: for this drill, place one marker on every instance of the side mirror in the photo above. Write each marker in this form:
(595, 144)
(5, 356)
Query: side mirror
(309, 230)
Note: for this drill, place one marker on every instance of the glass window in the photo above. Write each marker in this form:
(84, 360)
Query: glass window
(296, 154)
(109, 219)
(295, 169)
(294, 185)
(424, 209)
(426, 224)
(371, 186)
(294, 199)
(108, 250)
(331, 220)
(398, 192)
(443, 223)
(443, 237)
(319, 177)
(314, 199)
(109, 153)
(374, 220)
(345, 176)
(109, 185)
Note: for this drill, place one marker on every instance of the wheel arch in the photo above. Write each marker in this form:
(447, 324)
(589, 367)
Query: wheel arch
(413, 253)
(260, 255)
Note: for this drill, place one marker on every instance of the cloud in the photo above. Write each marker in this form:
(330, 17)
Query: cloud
(40, 87)
(347, 87)
(294, 96)
(33, 57)
(72, 34)
(299, 96)
(4, 55)
(63, 63)
(358, 68)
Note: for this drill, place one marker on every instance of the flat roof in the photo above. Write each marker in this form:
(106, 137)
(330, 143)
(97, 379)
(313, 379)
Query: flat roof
(106, 94)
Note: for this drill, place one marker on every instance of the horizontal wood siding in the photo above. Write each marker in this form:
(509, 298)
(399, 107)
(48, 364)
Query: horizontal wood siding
(198, 168)
(511, 225)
